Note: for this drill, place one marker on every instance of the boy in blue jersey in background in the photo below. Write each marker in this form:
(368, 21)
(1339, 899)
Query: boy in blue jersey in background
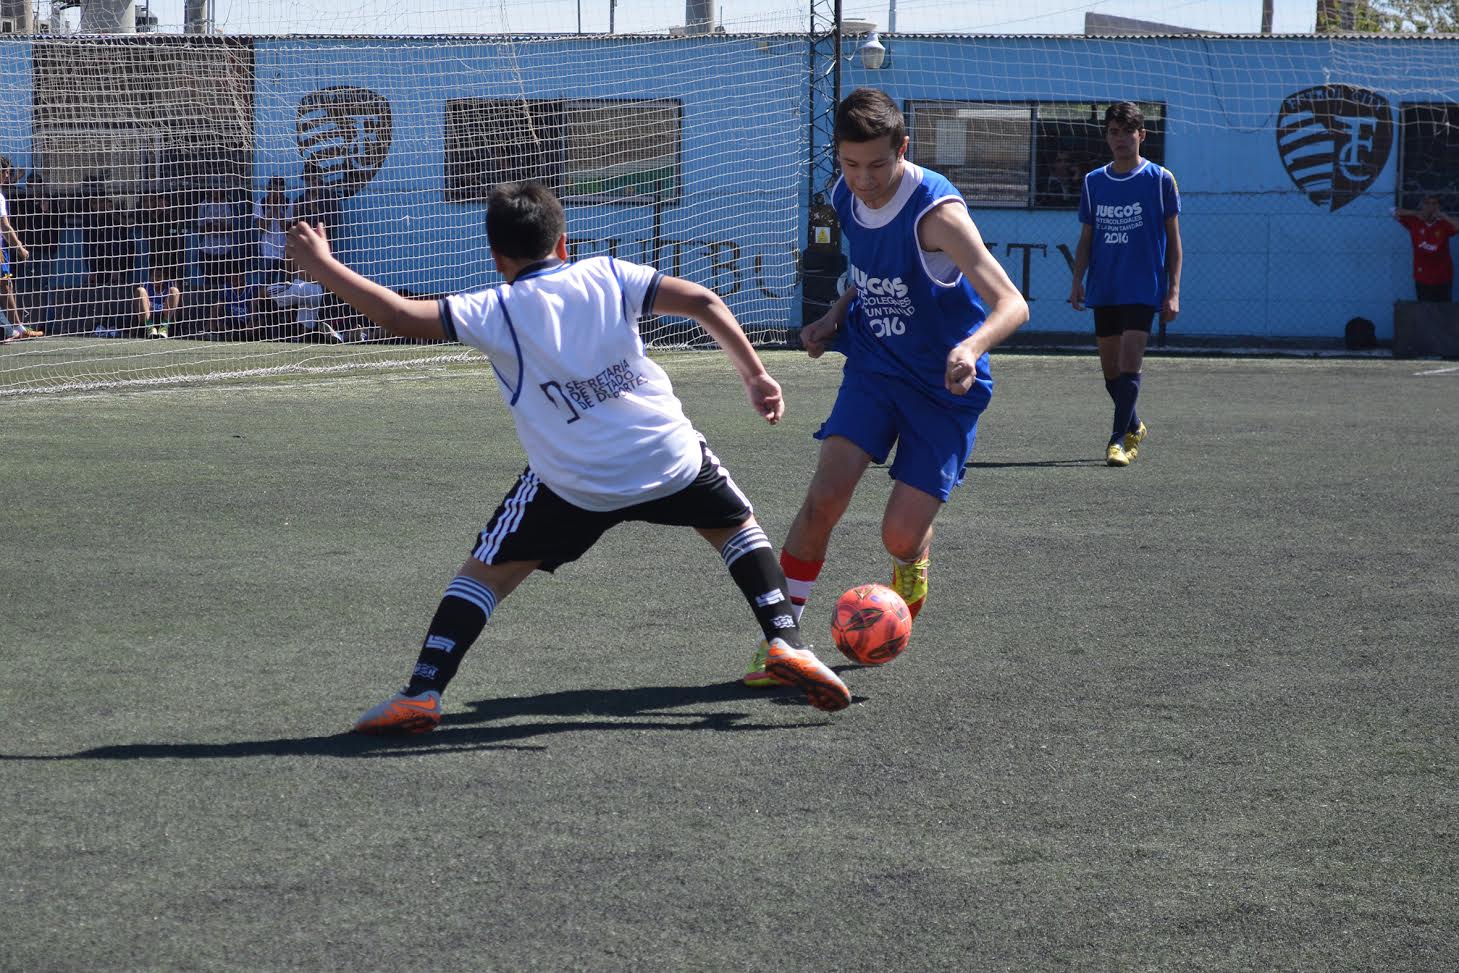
(925, 304)
(1130, 245)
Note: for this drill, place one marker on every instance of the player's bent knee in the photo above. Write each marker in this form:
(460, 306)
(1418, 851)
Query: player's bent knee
(906, 545)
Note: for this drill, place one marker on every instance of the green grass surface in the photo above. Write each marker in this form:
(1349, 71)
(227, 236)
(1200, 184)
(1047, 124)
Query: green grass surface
(1193, 715)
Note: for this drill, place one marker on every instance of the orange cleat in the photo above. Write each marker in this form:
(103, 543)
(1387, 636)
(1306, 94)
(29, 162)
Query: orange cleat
(800, 668)
(402, 714)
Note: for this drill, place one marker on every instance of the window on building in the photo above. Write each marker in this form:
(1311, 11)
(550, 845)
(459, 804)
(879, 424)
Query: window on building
(1428, 154)
(107, 116)
(584, 150)
(1019, 154)
(490, 141)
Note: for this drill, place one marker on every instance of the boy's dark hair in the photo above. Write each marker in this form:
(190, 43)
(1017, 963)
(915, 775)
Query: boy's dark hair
(524, 220)
(866, 115)
(1126, 114)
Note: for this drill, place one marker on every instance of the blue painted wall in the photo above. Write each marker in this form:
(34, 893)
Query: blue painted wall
(1262, 258)
(734, 228)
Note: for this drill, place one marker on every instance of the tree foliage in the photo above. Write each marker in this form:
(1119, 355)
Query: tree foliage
(1389, 16)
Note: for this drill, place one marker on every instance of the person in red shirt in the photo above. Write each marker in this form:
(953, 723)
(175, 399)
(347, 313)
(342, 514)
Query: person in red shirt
(1430, 230)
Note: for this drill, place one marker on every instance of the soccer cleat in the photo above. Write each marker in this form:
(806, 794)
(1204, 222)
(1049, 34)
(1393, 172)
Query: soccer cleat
(800, 668)
(22, 332)
(910, 581)
(1133, 441)
(1115, 455)
(403, 714)
(157, 331)
(755, 676)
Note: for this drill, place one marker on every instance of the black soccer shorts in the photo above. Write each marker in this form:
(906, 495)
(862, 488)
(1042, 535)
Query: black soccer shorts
(1115, 319)
(535, 524)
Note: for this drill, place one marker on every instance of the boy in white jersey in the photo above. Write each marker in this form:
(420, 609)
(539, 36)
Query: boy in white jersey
(606, 438)
(926, 303)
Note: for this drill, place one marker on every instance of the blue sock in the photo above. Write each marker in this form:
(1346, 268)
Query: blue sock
(1134, 416)
(1127, 390)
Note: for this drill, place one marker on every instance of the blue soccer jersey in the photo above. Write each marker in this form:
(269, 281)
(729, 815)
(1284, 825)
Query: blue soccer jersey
(911, 307)
(1128, 213)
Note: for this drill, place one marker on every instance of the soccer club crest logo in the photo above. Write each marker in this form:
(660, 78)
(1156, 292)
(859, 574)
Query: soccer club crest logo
(1334, 139)
(343, 135)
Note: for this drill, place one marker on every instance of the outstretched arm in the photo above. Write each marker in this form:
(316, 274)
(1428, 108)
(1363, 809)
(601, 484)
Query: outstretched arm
(1174, 257)
(308, 247)
(950, 229)
(690, 300)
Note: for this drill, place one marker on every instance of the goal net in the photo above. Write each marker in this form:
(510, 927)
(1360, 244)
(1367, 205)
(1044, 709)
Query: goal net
(153, 171)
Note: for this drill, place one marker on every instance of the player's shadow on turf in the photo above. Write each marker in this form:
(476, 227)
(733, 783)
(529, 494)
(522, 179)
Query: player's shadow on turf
(481, 726)
(986, 465)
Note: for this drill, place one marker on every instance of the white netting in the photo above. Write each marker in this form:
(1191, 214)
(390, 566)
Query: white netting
(172, 163)
(168, 160)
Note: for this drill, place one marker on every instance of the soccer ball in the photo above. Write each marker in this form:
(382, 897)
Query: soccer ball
(871, 624)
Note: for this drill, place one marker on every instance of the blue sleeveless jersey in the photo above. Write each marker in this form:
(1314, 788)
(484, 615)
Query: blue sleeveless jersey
(903, 322)
(1128, 213)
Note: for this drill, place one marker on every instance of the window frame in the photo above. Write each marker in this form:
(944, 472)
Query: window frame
(1043, 145)
(557, 169)
(1409, 195)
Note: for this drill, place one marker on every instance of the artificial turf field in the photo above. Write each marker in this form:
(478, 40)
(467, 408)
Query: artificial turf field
(1198, 714)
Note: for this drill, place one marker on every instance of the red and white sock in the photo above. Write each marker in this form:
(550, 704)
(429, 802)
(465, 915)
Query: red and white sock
(800, 578)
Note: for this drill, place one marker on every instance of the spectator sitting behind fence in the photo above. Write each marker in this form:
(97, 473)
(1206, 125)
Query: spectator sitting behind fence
(157, 302)
(219, 258)
(295, 308)
(164, 232)
(238, 307)
(41, 220)
(1064, 178)
(1429, 230)
(111, 256)
(271, 218)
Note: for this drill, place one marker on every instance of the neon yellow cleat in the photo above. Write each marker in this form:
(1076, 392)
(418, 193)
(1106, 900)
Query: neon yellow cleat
(910, 581)
(1133, 441)
(1115, 455)
(755, 676)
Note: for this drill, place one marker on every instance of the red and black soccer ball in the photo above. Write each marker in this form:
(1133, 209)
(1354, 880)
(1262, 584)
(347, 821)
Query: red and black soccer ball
(871, 624)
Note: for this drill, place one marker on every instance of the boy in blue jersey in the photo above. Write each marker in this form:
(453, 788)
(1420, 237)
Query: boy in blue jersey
(1130, 246)
(926, 303)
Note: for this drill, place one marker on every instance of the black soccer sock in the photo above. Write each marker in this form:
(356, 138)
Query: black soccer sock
(1127, 390)
(752, 563)
(459, 619)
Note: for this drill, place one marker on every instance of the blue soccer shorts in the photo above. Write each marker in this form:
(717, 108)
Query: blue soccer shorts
(933, 442)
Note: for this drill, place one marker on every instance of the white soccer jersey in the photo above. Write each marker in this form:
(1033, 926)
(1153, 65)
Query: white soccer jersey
(599, 420)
